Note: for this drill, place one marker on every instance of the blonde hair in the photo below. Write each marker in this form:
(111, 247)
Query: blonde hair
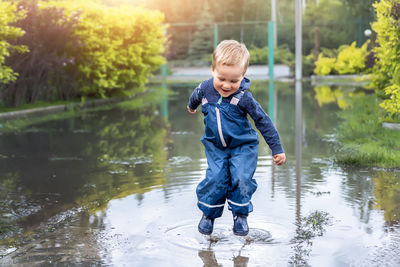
(231, 52)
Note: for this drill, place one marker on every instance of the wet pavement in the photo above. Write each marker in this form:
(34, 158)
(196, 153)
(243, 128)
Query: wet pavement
(255, 72)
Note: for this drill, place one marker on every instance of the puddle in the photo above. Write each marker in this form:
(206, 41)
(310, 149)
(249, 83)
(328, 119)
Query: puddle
(222, 239)
(117, 188)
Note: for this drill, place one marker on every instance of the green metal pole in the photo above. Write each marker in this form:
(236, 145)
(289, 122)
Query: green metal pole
(271, 69)
(216, 37)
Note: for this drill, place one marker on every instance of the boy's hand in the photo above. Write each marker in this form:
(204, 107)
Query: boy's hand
(191, 111)
(279, 159)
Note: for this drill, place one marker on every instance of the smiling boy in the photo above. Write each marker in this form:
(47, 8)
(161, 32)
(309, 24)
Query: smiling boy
(231, 143)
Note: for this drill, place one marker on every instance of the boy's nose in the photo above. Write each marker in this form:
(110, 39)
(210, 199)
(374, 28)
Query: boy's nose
(226, 86)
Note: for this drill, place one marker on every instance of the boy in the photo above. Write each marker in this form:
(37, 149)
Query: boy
(231, 144)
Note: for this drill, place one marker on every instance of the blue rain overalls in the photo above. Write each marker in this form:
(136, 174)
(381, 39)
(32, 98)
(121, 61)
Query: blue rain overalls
(231, 147)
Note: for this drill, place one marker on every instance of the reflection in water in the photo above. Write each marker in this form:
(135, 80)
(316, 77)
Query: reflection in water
(73, 243)
(299, 154)
(209, 260)
(387, 193)
(308, 228)
(313, 225)
(299, 144)
(223, 237)
(272, 113)
(94, 158)
(164, 100)
(272, 101)
(325, 94)
(358, 192)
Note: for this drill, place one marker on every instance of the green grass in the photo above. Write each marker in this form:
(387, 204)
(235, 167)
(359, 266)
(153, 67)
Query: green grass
(308, 228)
(362, 139)
(39, 104)
(20, 124)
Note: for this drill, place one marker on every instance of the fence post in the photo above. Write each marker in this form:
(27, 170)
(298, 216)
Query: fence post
(216, 37)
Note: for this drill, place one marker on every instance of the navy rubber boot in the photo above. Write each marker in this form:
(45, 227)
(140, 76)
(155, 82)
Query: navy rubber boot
(240, 226)
(206, 225)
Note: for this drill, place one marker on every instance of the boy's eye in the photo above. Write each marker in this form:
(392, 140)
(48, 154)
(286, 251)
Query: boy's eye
(234, 81)
(221, 79)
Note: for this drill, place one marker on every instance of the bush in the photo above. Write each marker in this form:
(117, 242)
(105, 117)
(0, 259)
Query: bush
(392, 104)
(258, 56)
(308, 65)
(282, 55)
(119, 47)
(78, 49)
(324, 65)
(386, 73)
(350, 59)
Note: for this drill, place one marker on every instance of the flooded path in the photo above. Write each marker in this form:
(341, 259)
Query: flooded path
(116, 187)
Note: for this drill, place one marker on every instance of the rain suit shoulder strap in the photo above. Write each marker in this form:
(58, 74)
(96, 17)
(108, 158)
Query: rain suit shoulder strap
(201, 93)
(235, 99)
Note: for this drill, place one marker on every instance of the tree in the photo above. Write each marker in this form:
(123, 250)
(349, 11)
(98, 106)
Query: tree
(9, 15)
(45, 71)
(363, 8)
(335, 26)
(202, 43)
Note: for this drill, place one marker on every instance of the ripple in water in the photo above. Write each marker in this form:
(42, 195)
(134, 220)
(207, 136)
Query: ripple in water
(187, 236)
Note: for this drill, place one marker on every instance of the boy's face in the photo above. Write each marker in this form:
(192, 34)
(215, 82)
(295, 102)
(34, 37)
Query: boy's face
(227, 78)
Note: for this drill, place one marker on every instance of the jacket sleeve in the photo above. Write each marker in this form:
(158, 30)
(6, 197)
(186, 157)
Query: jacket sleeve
(263, 123)
(195, 98)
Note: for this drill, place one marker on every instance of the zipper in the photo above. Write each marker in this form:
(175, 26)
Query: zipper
(221, 136)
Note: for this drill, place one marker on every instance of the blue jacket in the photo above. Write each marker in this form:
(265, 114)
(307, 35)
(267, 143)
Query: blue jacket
(247, 104)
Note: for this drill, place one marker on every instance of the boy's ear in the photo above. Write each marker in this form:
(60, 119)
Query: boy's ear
(212, 71)
(213, 66)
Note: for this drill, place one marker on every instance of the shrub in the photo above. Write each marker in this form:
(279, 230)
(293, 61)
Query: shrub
(386, 73)
(282, 55)
(77, 48)
(392, 104)
(330, 52)
(351, 59)
(308, 65)
(119, 47)
(324, 65)
(258, 56)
